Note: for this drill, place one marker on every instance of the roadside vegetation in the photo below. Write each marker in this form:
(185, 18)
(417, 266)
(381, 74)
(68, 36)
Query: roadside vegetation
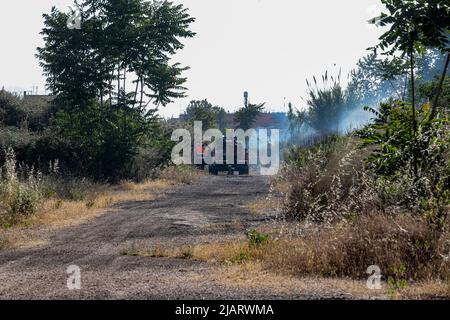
(380, 193)
(94, 141)
(31, 200)
(366, 181)
(376, 194)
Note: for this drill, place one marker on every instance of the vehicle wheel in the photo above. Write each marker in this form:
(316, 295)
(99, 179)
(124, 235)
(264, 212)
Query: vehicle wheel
(244, 170)
(213, 171)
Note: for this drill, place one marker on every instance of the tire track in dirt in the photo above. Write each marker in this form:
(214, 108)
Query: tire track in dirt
(207, 211)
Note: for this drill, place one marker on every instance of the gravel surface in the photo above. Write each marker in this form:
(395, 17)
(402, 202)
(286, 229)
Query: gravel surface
(210, 210)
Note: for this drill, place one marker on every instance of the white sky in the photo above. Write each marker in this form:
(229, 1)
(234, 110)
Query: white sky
(267, 47)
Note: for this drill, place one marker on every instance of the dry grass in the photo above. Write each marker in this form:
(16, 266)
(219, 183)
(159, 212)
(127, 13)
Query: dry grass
(227, 252)
(263, 206)
(181, 174)
(59, 213)
(55, 213)
(404, 248)
(254, 275)
(324, 261)
(326, 182)
(159, 184)
(413, 265)
(141, 250)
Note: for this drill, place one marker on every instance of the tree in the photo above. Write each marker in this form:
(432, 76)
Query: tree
(120, 41)
(246, 116)
(201, 110)
(375, 79)
(415, 25)
(325, 106)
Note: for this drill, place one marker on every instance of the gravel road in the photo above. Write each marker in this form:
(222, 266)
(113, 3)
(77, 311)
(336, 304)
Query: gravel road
(212, 209)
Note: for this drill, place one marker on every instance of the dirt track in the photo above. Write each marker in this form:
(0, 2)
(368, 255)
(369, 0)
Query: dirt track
(212, 209)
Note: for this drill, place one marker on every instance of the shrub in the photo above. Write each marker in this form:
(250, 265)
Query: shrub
(327, 182)
(24, 201)
(256, 239)
(411, 169)
(19, 197)
(327, 107)
(404, 247)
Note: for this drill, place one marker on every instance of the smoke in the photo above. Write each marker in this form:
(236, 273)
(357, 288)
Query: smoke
(354, 119)
(349, 121)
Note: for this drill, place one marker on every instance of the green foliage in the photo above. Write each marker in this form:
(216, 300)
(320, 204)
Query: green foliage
(376, 78)
(397, 281)
(211, 116)
(108, 143)
(301, 157)
(10, 113)
(256, 239)
(392, 132)
(395, 137)
(395, 150)
(242, 257)
(24, 201)
(108, 137)
(18, 198)
(117, 38)
(427, 90)
(247, 115)
(327, 106)
(414, 24)
(108, 132)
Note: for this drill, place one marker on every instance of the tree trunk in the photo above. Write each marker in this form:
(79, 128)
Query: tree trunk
(405, 88)
(118, 83)
(395, 89)
(435, 105)
(414, 120)
(110, 87)
(142, 92)
(125, 83)
(413, 94)
(136, 91)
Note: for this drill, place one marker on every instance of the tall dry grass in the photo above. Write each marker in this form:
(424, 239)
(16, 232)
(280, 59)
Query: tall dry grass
(404, 247)
(30, 199)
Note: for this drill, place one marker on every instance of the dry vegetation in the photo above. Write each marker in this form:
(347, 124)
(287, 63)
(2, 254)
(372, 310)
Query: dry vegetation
(398, 245)
(32, 203)
(255, 275)
(321, 261)
(141, 250)
(338, 219)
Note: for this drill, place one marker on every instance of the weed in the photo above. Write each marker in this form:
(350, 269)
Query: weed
(256, 239)
(187, 252)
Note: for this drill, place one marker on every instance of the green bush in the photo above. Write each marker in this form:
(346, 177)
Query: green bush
(19, 191)
(24, 201)
(257, 239)
(412, 169)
